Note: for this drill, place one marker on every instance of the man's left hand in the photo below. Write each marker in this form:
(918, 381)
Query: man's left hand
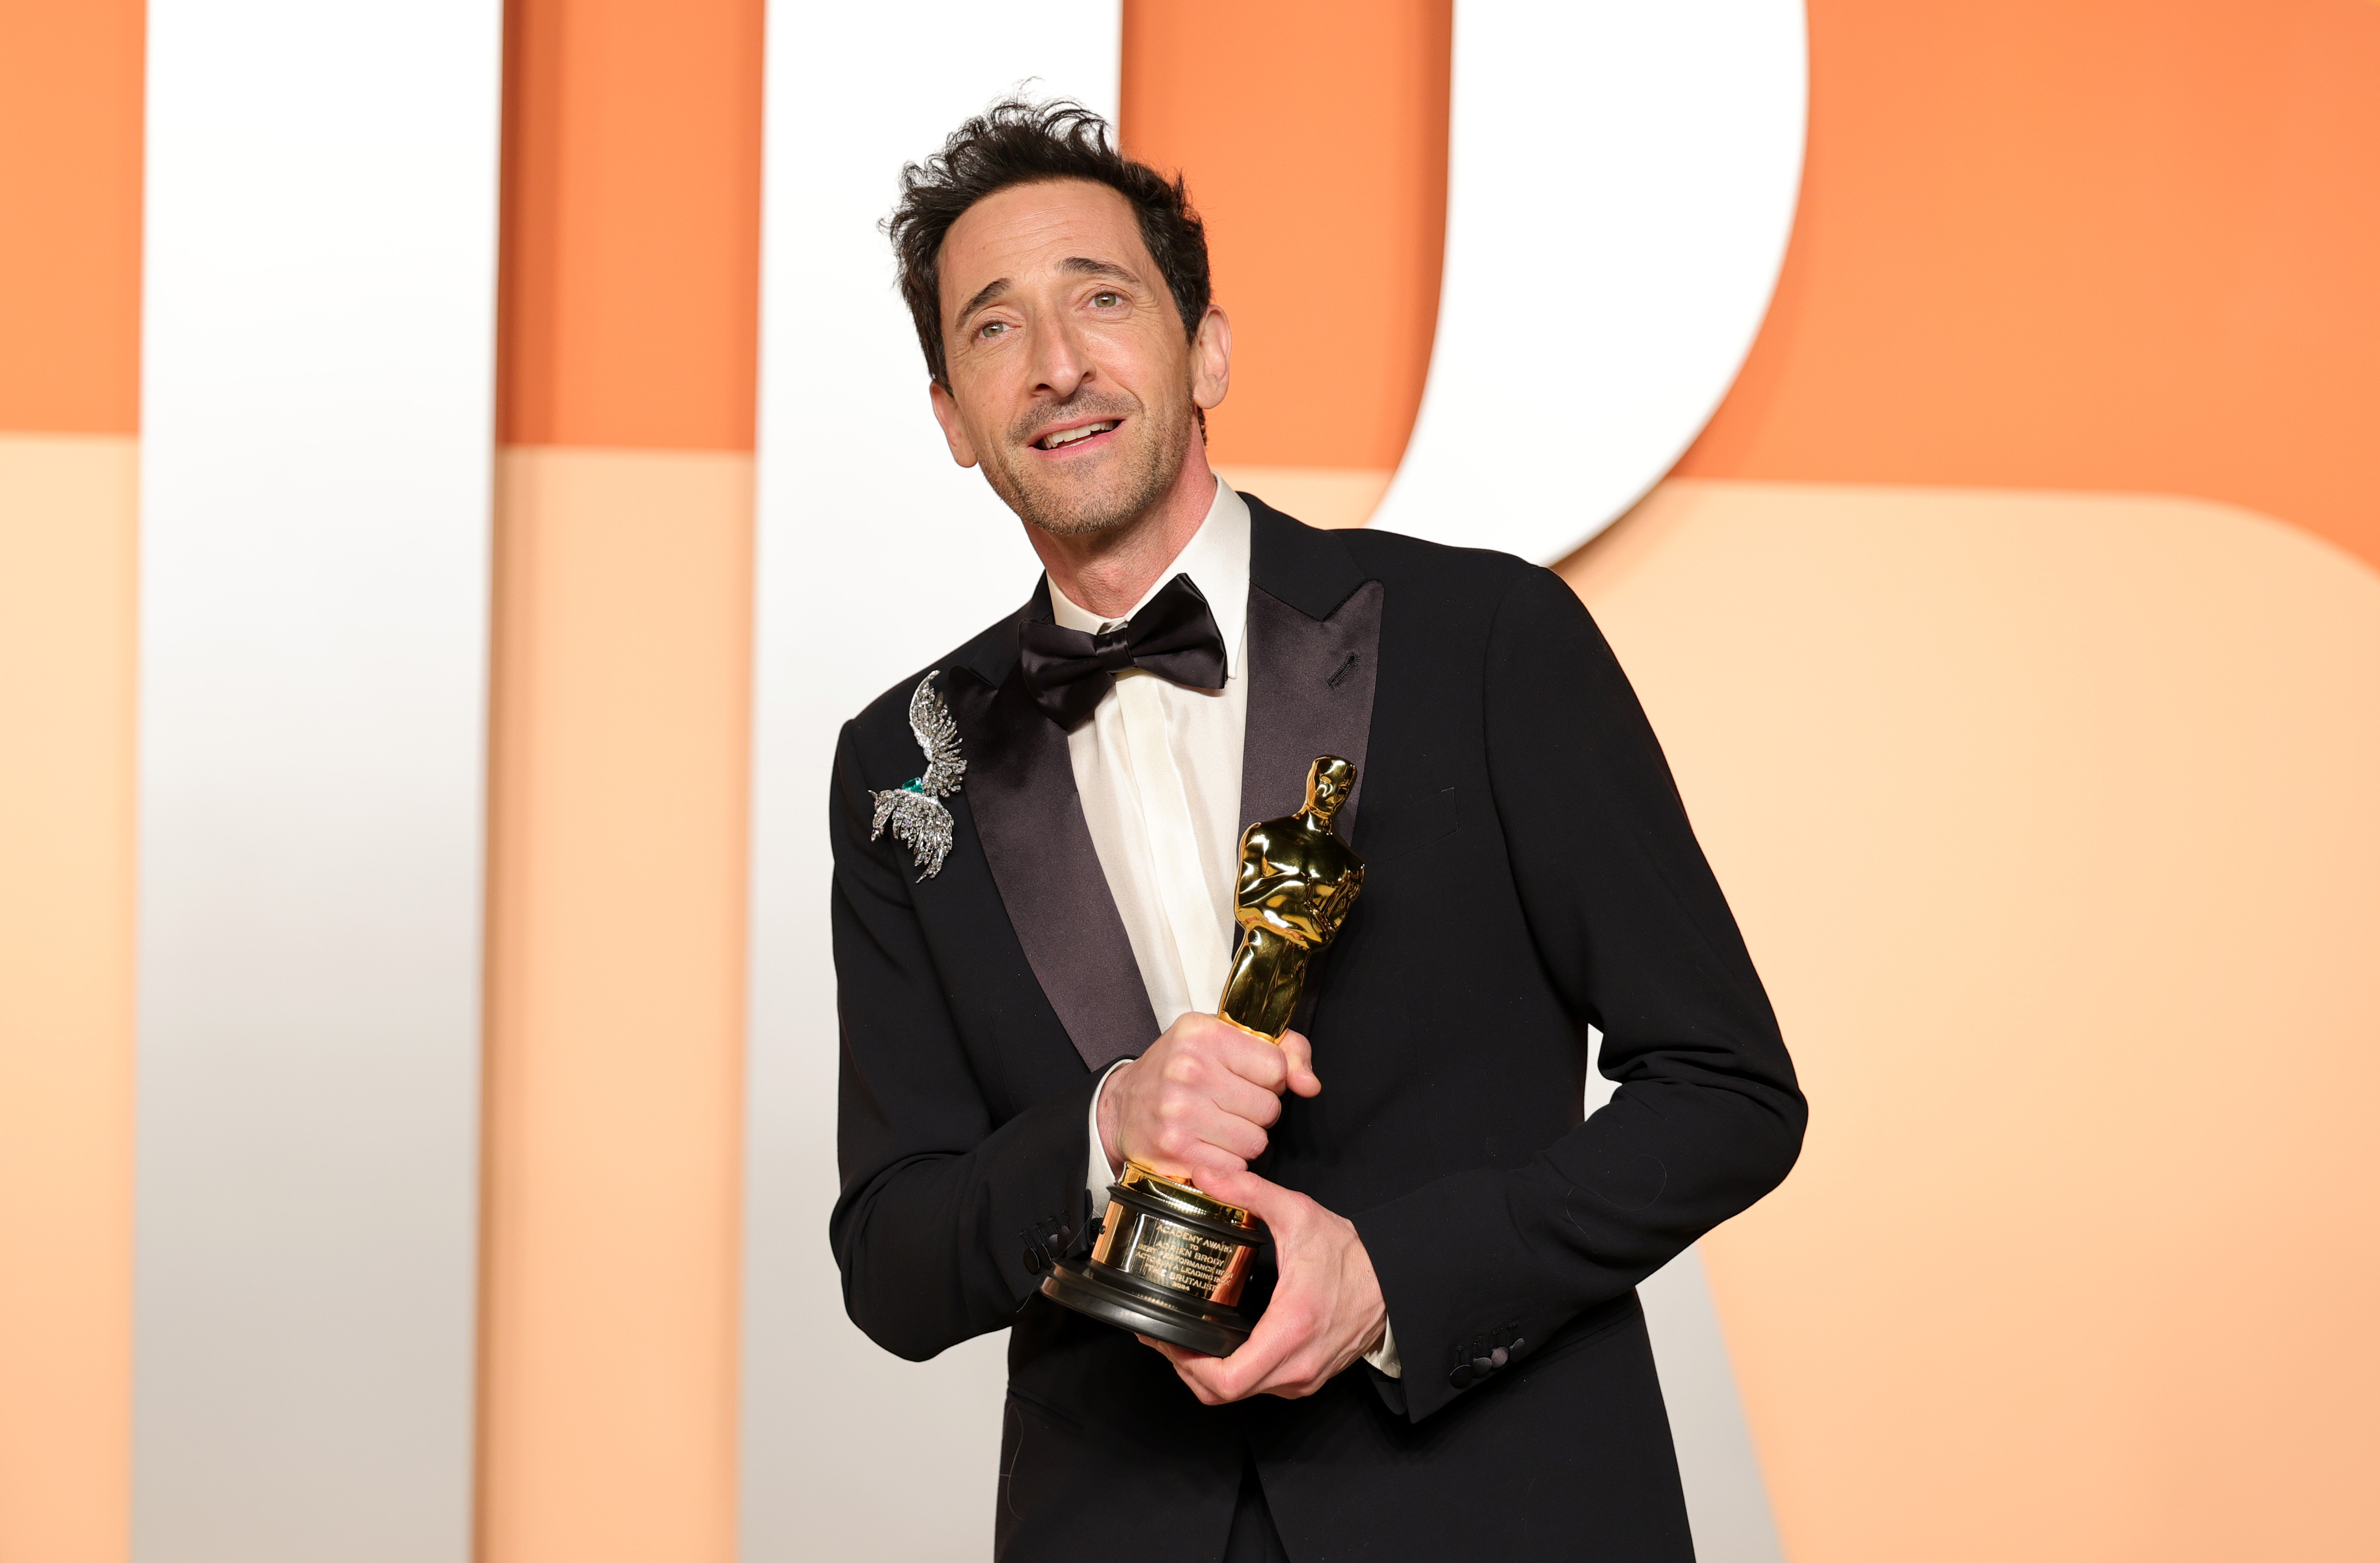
(1326, 1313)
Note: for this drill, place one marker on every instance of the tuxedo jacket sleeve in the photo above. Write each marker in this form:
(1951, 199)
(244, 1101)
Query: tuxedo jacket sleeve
(1633, 933)
(961, 1180)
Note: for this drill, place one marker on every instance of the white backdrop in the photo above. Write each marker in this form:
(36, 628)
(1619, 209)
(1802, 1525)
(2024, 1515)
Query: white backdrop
(1621, 182)
(317, 374)
(1669, 140)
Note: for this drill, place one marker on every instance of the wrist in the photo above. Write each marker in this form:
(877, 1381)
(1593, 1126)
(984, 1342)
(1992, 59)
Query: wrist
(1108, 1115)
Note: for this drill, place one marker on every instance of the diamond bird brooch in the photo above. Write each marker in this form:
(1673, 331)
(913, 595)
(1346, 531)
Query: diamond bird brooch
(915, 808)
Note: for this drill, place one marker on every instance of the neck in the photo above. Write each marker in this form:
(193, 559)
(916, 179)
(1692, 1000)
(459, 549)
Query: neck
(1108, 572)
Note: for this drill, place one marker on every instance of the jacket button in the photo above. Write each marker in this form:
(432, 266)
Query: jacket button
(1483, 1366)
(1036, 1260)
(1460, 1377)
(1518, 1347)
(1499, 1357)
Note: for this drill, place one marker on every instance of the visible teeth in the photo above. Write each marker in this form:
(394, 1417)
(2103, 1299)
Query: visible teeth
(1068, 436)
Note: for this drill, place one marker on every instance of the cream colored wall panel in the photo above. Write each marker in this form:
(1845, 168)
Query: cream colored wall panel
(2049, 818)
(67, 530)
(317, 372)
(619, 780)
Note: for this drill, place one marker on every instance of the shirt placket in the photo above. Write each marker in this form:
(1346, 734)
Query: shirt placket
(1172, 839)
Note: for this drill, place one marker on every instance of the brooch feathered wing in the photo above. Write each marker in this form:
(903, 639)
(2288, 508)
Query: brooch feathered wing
(915, 808)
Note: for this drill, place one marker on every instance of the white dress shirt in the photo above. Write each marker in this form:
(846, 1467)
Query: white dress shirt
(1158, 770)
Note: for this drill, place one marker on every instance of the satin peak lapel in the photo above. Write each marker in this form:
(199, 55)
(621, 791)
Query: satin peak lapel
(1020, 789)
(1314, 661)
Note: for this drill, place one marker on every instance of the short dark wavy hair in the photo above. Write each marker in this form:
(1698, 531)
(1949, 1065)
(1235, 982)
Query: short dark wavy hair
(1018, 142)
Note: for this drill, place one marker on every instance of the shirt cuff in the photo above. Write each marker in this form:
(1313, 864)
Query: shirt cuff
(1098, 1174)
(1384, 1357)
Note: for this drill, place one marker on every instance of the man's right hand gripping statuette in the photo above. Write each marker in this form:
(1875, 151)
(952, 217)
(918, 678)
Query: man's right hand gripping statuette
(1170, 1262)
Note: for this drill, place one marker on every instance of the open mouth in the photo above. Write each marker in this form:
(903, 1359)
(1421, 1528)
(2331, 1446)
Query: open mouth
(1078, 436)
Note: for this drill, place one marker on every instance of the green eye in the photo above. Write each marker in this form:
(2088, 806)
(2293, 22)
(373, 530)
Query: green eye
(995, 327)
(1105, 300)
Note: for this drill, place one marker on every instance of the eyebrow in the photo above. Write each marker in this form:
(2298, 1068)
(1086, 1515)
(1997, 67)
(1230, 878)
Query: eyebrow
(1082, 265)
(984, 294)
(1075, 265)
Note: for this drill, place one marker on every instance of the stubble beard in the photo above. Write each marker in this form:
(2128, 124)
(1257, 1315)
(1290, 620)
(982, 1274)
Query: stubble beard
(1073, 510)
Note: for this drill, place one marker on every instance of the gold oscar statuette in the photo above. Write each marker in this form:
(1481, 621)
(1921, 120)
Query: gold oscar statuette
(1170, 1262)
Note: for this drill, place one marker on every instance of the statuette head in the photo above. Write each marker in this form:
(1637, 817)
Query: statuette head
(1327, 785)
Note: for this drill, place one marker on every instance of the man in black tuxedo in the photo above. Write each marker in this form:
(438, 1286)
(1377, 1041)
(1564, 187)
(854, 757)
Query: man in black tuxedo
(1452, 1363)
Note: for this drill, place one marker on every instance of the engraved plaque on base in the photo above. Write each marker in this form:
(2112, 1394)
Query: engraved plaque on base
(1169, 1261)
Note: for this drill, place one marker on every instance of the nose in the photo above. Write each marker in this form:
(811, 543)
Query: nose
(1061, 361)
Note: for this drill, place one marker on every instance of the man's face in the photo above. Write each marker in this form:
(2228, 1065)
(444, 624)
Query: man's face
(1071, 379)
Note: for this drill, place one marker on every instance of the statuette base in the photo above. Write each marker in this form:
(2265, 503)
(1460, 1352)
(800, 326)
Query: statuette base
(1112, 1297)
(1170, 1262)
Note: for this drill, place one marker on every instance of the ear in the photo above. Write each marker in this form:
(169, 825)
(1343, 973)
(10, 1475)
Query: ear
(946, 413)
(1210, 358)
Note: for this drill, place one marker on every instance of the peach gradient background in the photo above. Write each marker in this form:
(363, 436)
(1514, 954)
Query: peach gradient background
(618, 781)
(70, 126)
(2013, 630)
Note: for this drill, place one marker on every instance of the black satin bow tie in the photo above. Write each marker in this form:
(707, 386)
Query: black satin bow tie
(1173, 636)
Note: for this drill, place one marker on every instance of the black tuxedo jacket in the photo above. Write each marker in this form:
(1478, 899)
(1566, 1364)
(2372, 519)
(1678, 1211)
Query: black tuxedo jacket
(1530, 872)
